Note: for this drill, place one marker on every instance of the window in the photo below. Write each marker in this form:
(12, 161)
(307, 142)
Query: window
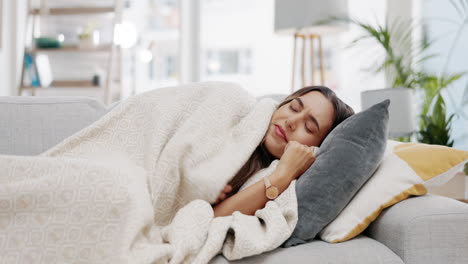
(220, 62)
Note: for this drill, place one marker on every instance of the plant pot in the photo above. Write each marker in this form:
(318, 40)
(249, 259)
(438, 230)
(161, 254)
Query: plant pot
(401, 122)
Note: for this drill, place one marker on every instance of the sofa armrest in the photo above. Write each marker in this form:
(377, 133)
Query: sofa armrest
(424, 229)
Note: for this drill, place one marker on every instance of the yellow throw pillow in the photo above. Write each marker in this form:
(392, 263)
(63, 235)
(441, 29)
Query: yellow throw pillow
(406, 169)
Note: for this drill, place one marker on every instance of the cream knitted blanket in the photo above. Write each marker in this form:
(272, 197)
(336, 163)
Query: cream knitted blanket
(136, 185)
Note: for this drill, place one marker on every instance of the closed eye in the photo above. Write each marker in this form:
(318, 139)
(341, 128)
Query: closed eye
(307, 129)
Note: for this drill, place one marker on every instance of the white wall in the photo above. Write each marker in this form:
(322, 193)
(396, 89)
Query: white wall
(248, 24)
(189, 42)
(6, 48)
(354, 76)
(14, 16)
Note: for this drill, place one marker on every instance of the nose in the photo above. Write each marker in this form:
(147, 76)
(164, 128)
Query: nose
(291, 123)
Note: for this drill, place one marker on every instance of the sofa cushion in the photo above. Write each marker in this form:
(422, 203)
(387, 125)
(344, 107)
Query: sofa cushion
(428, 229)
(360, 250)
(347, 158)
(31, 125)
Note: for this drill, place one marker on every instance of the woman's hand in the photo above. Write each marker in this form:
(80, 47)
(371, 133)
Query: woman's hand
(224, 194)
(296, 159)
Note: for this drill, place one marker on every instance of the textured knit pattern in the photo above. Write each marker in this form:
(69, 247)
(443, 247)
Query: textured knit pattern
(136, 185)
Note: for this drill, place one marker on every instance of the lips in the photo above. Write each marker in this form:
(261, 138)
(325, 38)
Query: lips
(280, 132)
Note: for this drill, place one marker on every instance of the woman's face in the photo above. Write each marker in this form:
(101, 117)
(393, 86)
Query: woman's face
(306, 119)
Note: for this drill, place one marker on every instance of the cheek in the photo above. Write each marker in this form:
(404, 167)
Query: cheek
(309, 139)
(273, 146)
(279, 113)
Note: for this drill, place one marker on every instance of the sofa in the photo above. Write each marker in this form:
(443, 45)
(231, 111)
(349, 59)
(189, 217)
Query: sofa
(428, 229)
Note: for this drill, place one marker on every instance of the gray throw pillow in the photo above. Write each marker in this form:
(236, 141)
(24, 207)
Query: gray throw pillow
(347, 158)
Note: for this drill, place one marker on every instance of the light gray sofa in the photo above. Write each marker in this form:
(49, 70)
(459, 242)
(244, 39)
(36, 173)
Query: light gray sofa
(428, 229)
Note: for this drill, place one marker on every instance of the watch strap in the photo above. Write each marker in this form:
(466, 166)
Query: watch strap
(267, 182)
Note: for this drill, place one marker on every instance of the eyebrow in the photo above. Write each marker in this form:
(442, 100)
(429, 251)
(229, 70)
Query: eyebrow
(309, 115)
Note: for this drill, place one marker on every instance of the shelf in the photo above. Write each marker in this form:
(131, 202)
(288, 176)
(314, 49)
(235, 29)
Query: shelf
(73, 48)
(73, 83)
(73, 11)
(66, 84)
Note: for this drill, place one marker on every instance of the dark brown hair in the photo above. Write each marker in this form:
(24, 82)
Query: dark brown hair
(261, 158)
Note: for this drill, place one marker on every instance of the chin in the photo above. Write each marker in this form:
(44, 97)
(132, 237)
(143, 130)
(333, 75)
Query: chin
(273, 147)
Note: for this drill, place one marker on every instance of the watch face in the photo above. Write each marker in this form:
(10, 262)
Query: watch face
(272, 192)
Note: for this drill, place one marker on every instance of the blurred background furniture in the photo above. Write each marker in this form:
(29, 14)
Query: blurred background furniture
(304, 19)
(45, 40)
(427, 229)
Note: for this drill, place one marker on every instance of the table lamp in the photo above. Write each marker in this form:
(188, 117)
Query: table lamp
(303, 19)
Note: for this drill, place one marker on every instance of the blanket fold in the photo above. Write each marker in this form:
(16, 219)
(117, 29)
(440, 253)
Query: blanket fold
(136, 185)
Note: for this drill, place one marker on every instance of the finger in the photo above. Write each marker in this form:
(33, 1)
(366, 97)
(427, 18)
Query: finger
(222, 196)
(312, 151)
(315, 150)
(288, 145)
(227, 189)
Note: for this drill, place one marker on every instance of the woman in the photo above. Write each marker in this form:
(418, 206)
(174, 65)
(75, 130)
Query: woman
(301, 122)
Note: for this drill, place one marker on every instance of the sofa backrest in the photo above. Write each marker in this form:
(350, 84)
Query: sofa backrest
(30, 125)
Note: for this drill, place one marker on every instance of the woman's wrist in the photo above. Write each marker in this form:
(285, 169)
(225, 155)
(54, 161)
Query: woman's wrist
(281, 179)
(253, 197)
(285, 172)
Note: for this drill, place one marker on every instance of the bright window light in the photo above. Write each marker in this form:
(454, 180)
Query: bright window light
(145, 56)
(125, 34)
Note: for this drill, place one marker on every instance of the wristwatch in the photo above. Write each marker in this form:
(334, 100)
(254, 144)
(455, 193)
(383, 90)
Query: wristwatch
(271, 192)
